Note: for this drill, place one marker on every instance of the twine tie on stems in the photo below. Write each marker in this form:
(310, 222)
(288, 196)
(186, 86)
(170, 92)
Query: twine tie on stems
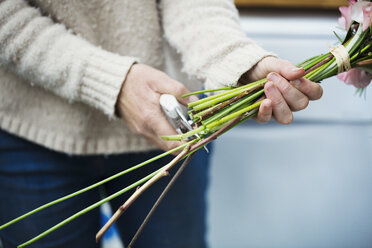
(342, 58)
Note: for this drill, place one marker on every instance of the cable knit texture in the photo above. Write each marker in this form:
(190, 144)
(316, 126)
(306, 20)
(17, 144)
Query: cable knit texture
(62, 63)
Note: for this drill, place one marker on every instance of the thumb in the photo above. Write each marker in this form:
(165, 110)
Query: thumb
(284, 68)
(177, 89)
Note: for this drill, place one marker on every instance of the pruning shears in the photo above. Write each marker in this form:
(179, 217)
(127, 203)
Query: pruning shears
(176, 114)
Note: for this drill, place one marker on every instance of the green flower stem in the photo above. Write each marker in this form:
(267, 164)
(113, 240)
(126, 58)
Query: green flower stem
(234, 115)
(315, 61)
(227, 104)
(193, 149)
(313, 74)
(251, 85)
(364, 62)
(207, 102)
(85, 210)
(162, 173)
(159, 200)
(233, 107)
(94, 185)
(356, 40)
(212, 137)
(188, 151)
(249, 115)
(204, 111)
(184, 135)
(236, 106)
(97, 204)
(233, 93)
(362, 50)
(242, 118)
(329, 74)
(329, 68)
(206, 99)
(207, 91)
(303, 63)
(215, 129)
(224, 128)
(319, 64)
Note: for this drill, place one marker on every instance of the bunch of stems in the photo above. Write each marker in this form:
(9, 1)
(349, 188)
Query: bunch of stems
(188, 149)
(212, 117)
(211, 113)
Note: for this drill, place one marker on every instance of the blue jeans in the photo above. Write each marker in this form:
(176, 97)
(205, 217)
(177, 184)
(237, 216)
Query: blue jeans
(31, 175)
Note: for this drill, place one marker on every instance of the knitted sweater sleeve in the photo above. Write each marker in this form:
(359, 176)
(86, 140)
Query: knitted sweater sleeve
(45, 53)
(207, 35)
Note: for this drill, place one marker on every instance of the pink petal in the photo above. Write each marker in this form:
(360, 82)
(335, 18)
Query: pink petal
(342, 22)
(357, 11)
(356, 77)
(352, 1)
(343, 77)
(367, 12)
(346, 14)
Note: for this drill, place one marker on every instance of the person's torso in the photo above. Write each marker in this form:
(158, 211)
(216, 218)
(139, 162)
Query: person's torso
(125, 27)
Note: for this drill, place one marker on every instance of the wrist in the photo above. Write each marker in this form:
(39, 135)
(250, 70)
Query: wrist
(118, 108)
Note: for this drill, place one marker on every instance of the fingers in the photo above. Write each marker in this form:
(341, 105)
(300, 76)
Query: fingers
(287, 97)
(173, 87)
(139, 105)
(286, 88)
(284, 68)
(265, 112)
(312, 90)
(294, 98)
(280, 109)
(178, 90)
(160, 126)
(164, 144)
(152, 125)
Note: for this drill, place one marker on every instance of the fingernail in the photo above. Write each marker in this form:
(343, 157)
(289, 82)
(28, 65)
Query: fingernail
(270, 87)
(273, 77)
(297, 69)
(297, 82)
(193, 98)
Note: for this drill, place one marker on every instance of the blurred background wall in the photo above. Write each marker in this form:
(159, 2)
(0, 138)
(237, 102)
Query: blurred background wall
(303, 185)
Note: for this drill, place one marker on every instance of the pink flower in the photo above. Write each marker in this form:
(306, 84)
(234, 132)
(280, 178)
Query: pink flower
(345, 19)
(356, 11)
(367, 13)
(356, 77)
(361, 13)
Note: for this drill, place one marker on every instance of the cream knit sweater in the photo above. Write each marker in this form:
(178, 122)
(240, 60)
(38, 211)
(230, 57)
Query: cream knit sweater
(63, 62)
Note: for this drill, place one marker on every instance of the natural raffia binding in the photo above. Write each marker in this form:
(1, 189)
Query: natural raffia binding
(342, 58)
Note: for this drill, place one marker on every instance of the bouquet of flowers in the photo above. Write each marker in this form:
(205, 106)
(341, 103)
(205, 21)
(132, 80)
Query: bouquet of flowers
(351, 61)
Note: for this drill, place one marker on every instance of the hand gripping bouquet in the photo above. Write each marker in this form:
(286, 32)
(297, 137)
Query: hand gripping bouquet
(351, 61)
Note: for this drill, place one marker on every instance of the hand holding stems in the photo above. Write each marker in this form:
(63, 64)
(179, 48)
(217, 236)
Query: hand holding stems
(282, 98)
(138, 103)
(286, 89)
